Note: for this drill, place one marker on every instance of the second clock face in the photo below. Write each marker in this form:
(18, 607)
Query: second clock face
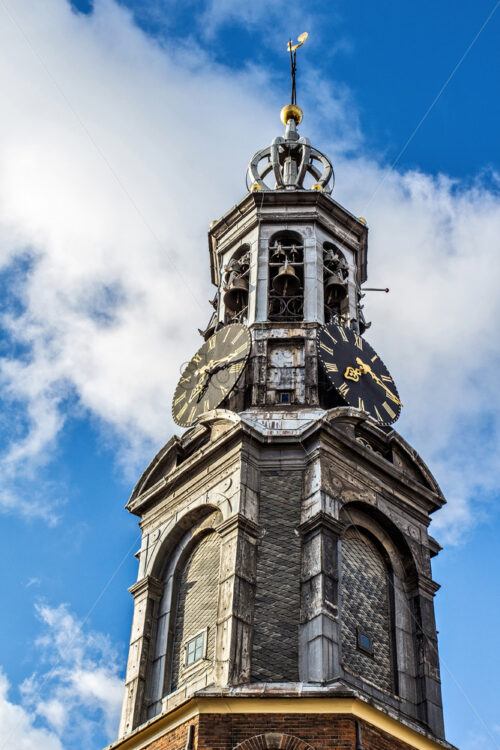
(211, 374)
(358, 373)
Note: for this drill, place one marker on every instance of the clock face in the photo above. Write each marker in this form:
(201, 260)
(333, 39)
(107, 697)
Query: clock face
(211, 374)
(358, 373)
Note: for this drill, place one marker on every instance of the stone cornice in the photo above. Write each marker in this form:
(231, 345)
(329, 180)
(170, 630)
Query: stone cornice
(147, 585)
(321, 520)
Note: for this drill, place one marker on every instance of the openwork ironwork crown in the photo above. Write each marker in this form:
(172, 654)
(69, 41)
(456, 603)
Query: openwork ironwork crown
(290, 158)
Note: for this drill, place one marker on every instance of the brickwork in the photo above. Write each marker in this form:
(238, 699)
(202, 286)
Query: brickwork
(284, 731)
(197, 605)
(277, 601)
(365, 605)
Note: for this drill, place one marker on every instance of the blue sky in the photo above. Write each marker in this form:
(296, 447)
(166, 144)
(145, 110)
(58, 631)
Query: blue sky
(126, 129)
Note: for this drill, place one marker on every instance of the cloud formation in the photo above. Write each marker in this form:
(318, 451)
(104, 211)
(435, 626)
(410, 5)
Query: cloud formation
(116, 152)
(74, 699)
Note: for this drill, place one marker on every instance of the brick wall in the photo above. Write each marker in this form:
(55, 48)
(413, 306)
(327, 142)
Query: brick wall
(277, 600)
(321, 731)
(365, 605)
(196, 605)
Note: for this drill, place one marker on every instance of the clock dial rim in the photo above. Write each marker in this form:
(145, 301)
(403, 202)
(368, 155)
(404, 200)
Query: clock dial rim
(216, 391)
(366, 388)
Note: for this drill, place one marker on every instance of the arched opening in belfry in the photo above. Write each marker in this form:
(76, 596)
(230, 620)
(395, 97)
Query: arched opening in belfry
(367, 633)
(286, 277)
(235, 286)
(335, 275)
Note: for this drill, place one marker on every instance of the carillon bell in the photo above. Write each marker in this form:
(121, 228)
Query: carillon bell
(236, 293)
(335, 289)
(286, 282)
(278, 254)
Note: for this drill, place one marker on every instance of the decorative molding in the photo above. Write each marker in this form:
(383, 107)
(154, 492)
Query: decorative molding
(147, 585)
(321, 520)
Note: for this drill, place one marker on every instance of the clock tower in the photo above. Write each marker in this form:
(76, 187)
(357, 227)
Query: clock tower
(284, 596)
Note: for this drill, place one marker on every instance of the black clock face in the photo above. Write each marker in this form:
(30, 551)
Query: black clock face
(358, 373)
(211, 374)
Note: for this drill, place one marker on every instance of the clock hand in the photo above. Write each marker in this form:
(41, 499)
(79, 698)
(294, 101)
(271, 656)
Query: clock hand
(207, 368)
(367, 369)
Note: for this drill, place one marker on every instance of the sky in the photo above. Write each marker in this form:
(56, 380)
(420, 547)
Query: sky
(126, 128)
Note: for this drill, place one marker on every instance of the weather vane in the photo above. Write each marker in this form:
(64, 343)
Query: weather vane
(292, 49)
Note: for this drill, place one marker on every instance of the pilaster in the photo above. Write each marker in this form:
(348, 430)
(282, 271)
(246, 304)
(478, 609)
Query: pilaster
(319, 628)
(147, 592)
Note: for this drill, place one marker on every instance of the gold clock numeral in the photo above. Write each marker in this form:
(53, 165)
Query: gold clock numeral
(388, 409)
(191, 414)
(240, 349)
(211, 343)
(344, 389)
(329, 334)
(184, 380)
(182, 410)
(342, 333)
(358, 341)
(331, 367)
(361, 403)
(205, 405)
(237, 367)
(197, 358)
(387, 378)
(374, 358)
(240, 333)
(226, 335)
(326, 348)
(379, 416)
(180, 398)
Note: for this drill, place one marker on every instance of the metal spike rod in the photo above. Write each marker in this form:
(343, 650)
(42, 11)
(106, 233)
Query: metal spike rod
(292, 49)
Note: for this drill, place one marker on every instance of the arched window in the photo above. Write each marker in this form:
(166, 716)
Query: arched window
(335, 274)
(286, 277)
(193, 637)
(367, 611)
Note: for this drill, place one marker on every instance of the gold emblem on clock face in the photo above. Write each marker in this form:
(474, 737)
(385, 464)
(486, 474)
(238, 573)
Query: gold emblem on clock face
(358, 373)
(211, 374)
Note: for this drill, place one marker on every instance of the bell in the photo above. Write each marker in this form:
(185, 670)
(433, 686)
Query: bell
(335, 289)
(286, 283)
(278, 254)
(235, 294)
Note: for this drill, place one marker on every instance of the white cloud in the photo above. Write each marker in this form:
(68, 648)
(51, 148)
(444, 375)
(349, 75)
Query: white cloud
(115, 155)
(81, 690)
(17, 726)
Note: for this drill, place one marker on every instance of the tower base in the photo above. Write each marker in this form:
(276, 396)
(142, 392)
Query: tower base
(264, 716)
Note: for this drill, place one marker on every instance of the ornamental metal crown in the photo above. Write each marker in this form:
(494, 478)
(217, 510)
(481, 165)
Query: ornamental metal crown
(290, 158)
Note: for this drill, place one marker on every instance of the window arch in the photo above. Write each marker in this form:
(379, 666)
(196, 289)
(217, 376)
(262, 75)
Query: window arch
(286, 276)
(187, 608)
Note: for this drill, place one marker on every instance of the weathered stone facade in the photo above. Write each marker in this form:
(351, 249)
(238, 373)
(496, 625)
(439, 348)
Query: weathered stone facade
(285, 530)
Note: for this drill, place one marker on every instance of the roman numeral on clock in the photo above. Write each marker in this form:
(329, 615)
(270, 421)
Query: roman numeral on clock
(326, 348)
(344, 389)
(331, 367)
(358, 341)
(343, 334)
(389, 411)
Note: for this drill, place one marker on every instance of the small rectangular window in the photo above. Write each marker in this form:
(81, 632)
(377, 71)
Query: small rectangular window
(365, 643)
(284, 397)
(195, 649)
